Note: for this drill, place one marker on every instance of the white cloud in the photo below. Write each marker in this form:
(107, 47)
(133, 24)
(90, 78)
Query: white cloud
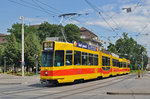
(87, 10)
(36, 20)
(133, 22)
(108, 7)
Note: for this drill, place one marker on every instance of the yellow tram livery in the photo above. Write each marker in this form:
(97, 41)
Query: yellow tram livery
(69, 62)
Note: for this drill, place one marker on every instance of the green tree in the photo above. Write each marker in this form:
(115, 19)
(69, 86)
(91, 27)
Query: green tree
(128, 48)
(17, 31)
(48, 30)
(11, 52)
(1, 52)
(32, 48)
(72, 32)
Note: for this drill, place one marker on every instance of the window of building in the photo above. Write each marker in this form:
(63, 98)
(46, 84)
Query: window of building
(59, 58)
(68, 57)
(84, 58)
(77, 58)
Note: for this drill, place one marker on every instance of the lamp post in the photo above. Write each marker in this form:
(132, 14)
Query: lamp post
(4, 64)
(142, 62)
(22, 18)
(36, 64)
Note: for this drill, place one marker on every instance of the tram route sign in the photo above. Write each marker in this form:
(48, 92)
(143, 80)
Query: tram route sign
(85, 46)
(48, 46)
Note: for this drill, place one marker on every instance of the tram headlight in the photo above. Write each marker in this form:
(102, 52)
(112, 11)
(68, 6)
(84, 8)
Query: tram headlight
(46, 73)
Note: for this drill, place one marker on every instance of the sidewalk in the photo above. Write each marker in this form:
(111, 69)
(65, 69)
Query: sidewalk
(139, 86)
(12, 79)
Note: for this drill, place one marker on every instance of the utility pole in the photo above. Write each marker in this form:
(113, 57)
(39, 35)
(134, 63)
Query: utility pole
(22, 18)
(4, 64)
(71, 15)
(36, 64)
(142, 64)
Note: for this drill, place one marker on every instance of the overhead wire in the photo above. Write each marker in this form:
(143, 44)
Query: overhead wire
(101, 16)
(49, 6)
(45, 10)
(28, 6)
(91, 29)
(24, 5)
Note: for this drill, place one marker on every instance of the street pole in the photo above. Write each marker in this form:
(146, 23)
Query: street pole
(22, 18)
(36, 64)
(142, 65)
(4, 64)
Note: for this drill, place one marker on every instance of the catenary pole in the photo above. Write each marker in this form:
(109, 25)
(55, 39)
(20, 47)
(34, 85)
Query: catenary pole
(22, 18)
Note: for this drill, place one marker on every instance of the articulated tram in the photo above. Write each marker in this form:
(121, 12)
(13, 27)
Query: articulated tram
(69, 62)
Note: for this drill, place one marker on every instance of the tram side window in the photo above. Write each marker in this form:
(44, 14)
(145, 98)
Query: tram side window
(77, 58)
(59, 58)
(84, 58)
(103, 60)
(90, 59)
(96, 60)
(114, 63)
(124, 64)
(128, 65)
(119, 64)
(68, 57)
(108, 61)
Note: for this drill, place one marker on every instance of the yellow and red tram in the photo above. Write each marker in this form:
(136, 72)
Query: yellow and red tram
(115, 65)
(68, 62)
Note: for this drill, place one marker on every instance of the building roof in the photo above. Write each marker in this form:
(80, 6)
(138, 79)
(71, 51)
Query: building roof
(2, 35)
(87, 33)
(35, 26)
(2, 38)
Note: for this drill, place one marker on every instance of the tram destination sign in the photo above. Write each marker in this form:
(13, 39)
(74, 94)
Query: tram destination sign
(48, 46)
(85, 46)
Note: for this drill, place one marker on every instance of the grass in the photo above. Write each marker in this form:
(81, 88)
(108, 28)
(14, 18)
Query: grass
(20, 73)
(136, 71)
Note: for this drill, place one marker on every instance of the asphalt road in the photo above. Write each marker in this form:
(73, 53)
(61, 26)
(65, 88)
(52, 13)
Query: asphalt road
(120, 87)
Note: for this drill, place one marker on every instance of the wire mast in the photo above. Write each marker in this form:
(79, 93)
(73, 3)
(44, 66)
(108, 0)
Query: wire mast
(70, 15)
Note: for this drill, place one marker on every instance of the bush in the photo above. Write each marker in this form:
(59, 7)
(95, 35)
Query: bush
(29, 74)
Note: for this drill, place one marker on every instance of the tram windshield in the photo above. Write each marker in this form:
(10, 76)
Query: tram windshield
(47, 59)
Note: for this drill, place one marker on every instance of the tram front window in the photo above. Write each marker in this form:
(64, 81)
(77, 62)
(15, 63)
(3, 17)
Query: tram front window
(59, 58)
(47, 59)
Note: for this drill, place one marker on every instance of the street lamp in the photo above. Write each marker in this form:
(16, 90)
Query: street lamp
(22, 18)
(142, 62)
(36, 64)
(4, 64)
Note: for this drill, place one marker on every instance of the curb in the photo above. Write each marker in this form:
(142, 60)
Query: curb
(127, 93)
(10, 83)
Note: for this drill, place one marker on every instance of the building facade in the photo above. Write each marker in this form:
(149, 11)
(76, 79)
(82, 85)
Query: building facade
(90, 38)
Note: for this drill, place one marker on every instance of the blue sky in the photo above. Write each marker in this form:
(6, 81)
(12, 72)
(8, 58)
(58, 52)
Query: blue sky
(109, 26)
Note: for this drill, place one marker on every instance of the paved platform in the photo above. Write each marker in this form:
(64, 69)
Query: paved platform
(12, 79)
(141, 87)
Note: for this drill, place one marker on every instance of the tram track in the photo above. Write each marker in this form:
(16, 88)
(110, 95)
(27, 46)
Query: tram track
(32, 89)
(91, 89)
(122, 78)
